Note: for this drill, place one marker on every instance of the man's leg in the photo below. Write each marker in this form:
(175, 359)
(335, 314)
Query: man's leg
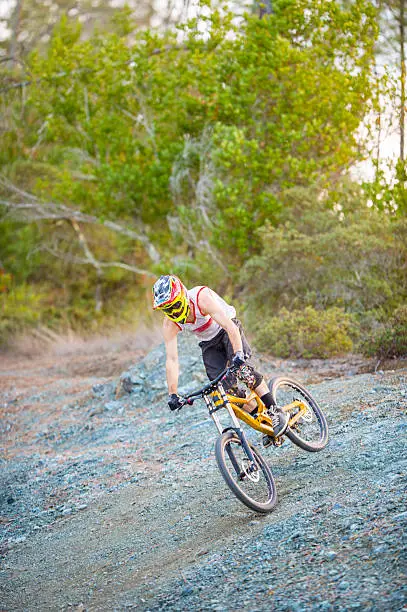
(215, 359)
(256, 382)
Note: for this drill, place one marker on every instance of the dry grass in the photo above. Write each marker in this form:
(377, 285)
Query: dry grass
(45, 342)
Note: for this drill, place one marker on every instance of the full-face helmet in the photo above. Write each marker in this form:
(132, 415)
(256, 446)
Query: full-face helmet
(170, 296)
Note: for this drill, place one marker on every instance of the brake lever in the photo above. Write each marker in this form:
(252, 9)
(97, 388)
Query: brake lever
(186, 401)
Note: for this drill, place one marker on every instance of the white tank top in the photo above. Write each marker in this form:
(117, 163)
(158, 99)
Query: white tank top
(203, 326)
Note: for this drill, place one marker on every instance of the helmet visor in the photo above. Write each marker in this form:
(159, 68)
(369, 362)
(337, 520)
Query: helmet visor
(173, 308)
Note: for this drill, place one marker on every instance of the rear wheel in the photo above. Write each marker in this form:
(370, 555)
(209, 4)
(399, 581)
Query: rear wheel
(256, 489)
(310, 431)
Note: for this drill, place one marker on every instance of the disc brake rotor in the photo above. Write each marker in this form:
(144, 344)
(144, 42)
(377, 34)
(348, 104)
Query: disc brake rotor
(253, 476)
(307, 416)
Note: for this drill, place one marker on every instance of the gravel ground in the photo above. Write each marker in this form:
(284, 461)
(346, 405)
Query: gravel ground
(110, 502)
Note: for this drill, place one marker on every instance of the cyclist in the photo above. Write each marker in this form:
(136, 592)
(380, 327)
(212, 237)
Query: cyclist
(203, 312)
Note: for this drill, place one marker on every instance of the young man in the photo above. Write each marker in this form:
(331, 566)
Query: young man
(220, 335)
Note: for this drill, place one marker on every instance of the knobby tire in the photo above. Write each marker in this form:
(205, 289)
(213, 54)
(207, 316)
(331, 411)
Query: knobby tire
(230, 439)
(295, 436)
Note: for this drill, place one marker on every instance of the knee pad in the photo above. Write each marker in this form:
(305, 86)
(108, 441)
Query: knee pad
(249, 376)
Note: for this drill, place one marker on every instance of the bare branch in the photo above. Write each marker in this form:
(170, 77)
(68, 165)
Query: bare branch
(144, 120)
(199, 188)
(86, 102)
(119, 264)
(101, 264)
(93, 261)
(32, 209)
(84, 244)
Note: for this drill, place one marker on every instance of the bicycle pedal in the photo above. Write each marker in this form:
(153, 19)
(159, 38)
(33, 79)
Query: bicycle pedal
(278, 441)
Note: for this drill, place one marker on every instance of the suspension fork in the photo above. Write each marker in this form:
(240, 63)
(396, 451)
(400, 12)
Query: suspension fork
(237, 429)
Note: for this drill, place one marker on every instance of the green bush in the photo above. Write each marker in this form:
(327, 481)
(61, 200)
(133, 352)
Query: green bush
(356, 260)
(307, 333)
(391, 339)
(20, 309)
(23, 308)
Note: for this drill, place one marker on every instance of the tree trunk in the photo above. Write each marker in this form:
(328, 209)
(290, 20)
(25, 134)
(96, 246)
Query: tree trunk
(266, 8)
(403, 78)
(15, 26)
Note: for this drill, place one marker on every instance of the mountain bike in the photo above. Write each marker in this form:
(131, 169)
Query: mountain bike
(242, 466)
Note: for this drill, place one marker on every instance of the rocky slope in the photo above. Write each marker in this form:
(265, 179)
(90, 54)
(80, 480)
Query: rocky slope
(110, 502)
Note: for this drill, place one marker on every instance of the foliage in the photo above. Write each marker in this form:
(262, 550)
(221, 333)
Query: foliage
(29, 24)
(388, 190)
(19, 308)
(23, 307)
(307, 333)
(18, 250)
(281, 99)
(329, 251)
(219, 144)
(390, 339)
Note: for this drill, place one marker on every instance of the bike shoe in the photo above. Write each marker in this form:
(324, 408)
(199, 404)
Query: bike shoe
(280, 422)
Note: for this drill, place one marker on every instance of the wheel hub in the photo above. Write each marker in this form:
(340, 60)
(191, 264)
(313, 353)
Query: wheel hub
(252, 472)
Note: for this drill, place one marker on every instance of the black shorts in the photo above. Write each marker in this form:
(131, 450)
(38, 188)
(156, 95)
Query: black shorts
(217, 353)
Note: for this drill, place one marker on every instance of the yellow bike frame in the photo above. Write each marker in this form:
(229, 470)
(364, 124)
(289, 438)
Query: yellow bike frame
(262, 421)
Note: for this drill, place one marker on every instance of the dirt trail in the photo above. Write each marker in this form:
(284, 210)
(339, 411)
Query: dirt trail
(134, 540)
(108, 550)
(133, 514)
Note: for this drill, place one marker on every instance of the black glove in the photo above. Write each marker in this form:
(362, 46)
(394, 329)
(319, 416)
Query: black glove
(238, 359)
(175, 401)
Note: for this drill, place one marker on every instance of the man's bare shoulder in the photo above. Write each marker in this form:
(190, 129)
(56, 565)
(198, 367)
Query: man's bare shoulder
(207, 299)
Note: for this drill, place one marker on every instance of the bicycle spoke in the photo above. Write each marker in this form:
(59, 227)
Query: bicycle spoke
(308, 427)
(252, 483)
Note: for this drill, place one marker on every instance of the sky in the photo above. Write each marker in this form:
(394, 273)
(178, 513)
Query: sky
(5, 6)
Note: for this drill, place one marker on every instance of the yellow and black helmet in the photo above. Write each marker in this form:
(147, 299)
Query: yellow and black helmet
(170, 296)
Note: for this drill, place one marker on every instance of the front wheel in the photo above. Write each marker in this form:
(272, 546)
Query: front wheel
(256, 489)
(310, 431)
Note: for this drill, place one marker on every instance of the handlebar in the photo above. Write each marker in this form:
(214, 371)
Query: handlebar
(211, 386)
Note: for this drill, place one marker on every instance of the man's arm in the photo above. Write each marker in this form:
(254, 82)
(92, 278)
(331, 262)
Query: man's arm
(170, 331)
(210, 306)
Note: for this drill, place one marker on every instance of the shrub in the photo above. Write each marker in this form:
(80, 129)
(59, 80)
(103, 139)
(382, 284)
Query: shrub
(19, 309)
(356, 260)
(307, 333)
(391, 339)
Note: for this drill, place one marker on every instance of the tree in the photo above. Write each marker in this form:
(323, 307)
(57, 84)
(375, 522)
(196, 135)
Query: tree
(189, 138)
(389, 188)
(29, 24)
(393, 14)
(329, 252)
